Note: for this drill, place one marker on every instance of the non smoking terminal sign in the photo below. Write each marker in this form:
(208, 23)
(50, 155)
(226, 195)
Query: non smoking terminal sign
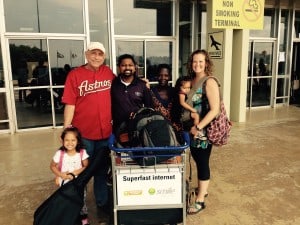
(238, 14)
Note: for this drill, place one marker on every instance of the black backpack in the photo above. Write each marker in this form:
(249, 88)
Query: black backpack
(149, 128)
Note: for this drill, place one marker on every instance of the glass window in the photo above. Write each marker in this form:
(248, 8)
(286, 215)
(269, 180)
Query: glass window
(3, 112)
(135, 48)
(295, 90)
(64, 55)
(282, 90)
(32, 53)
(297, 24)
(65, 52)
(259, 73)
(38, 78)
(140, 17)
(44, 16)
(2, 84)
(29, 66)
(186, 26)
(3, 104)
(99, 25)
(185, 35)
(283, 42)
(4, 126)
(269, 25)
(201, 31)
(157, 53)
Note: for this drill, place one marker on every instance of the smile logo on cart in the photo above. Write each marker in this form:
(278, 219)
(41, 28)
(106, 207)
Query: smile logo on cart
(151, 191)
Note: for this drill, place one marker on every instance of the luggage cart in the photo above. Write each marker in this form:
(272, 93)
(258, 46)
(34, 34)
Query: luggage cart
(148, 195)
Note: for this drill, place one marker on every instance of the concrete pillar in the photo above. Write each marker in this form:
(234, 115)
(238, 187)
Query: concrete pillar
(239, 75)
(222, 65)
(232, 67)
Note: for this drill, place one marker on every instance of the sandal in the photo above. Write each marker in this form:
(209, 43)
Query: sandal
(205, 196)
(196, 208)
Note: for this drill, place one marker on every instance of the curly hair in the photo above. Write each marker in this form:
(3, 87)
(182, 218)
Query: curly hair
(208, 63)
(180, 82)
(177, 109)
(164, 66)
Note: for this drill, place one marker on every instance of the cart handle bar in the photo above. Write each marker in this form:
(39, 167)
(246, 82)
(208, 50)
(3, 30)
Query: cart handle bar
(185, 136)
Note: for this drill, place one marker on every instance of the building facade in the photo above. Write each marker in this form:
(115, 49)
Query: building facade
(41, 40)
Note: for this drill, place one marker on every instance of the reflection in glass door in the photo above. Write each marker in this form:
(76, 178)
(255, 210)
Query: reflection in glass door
(260, 74)
(148, 54)
(64, 55)
(295, 84)
(38, 69)
(30, 75)
(4, 120)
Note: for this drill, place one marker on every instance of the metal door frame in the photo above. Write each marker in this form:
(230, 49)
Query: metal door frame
(8, 73)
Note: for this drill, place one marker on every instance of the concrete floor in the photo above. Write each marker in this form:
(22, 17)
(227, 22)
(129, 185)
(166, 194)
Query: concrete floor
(255, 178)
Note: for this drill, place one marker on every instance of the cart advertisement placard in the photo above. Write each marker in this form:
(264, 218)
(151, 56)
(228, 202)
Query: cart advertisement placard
(149, 186)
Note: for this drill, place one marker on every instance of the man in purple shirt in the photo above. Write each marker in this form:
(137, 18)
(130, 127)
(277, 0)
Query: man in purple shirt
(128, 92)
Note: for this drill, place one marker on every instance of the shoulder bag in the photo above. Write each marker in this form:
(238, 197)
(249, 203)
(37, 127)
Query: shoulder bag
(218, 130)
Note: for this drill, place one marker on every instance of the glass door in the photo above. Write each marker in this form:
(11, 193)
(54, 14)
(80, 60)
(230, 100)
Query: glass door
(38, 69)
(4, 120)
(260, 67)
(148, 54)
(295, 84)
(146, 30)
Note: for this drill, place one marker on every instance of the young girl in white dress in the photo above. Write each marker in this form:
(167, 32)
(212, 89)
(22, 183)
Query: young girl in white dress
(69, 161)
